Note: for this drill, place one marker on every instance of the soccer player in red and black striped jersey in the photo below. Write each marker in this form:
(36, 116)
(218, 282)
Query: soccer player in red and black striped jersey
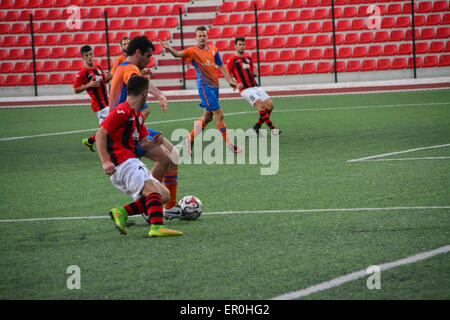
(93, 79)
(118, 139)
(240, 65)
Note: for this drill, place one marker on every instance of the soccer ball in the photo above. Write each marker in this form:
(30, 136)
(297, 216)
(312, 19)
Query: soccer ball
(191, 207)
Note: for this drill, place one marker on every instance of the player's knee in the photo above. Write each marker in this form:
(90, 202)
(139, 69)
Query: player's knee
(155, 187)
(269, 105)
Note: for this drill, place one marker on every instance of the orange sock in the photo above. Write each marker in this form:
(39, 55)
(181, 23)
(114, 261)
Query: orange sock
(171, 183)
(223, 131)
(198, 127)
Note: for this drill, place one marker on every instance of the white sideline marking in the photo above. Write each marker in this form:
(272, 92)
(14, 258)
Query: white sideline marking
(398, 152)
(408, 159)
(242, 212)
(359, 274)
(237, 113)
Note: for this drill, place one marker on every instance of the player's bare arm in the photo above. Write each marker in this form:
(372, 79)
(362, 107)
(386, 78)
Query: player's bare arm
(100, 137)
(175, 53)
(90, 84)
(230, 80)
(159, 95)
(108, 76)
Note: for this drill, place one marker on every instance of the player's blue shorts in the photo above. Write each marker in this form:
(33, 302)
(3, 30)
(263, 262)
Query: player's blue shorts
(209, 97)
(151, 133)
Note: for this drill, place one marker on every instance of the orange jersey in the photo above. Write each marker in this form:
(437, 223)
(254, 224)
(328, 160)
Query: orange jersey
(118, 92)
(205, 62)
(121, 59)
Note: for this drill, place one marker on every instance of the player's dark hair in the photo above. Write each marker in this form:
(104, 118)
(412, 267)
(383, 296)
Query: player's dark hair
(239, 39)
(85, 49)
(136, 85)
(140, 42)
(123, 39)
(201, 28)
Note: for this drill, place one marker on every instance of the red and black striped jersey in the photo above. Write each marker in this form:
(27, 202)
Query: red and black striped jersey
(99, 95)
(125, 128)
(242, 69)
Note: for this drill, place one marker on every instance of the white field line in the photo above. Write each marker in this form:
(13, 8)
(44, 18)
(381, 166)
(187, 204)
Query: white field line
(246, 212)
(359, 274)
(398, 152)
(408, 159)
(239, 113)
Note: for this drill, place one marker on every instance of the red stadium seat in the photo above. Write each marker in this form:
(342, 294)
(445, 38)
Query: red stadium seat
(374, 51)
(253, 31)
(421, 47)
(312, 3)
(320, 14)
(33, 3)
(292, 42)
(79, 38)
(191, 73)
(359, 52)
(396, 35)
(433, 20)
(315, 54)
(269, 5)
(387, 23)
(255, 56)
(286, 55)
(68, 78)
(100, 25)
(170, 22)
(6, 67)
(38, 40)
(63, 65)
(285, 29)
(418, 62)
(383, 64)
(23, 41)
(424, 7)
(26, 80)
(278, 70)
(31, 67)
(220, 20)
(277, 16)
(402, 22)
(157, 23)
(250, 44)
(51, 40)
(313, 27)
(399, 63)
(227, 6)
(351, 38)
(394, 9)
(151, 35)
(293, 69)
(323, 67)
(93, 38)
(176, 9)
(307, 41)
(271, 56)
(357, 24)
(242, 31)
(389, 50)
(322, 40)
(408, 35)
(306, 14)
(337, 13)
(405, 49)
(407, 8)
(299, 28)
(265, 70)
(439, 6)
(20, 67)
(308, 68)
(343, 25)
(213, 33)
(368, 65)
(137, 11)
(164, 10)
(419, 21)
(430, 61)
(366, 37)
(227, 32)
(349, 12)
(235, 18)
(42, 79)
(11, 16)
(49, 66)
(278, 42)
(264, 17)
(143, 23)
(300, 54)
(291, 16)
(258, 3)
(6, 4)
(163, 35)
(242, 6)
(328, 53)
(444, 61)
(381, 36)
(443, 33)
(43, 53)
(9, 41)
(353, 66)
(297, 4)
(264, 43)
(100, 51)
(87, 25)
(150, 11)
(76, 65)
(344, 53)
(248, 18)
(221, 45)
(40, 15)
(436, 47)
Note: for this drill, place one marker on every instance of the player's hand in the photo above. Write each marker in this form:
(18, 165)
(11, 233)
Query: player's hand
(108, 75)
(146, 72)
(109, 168)
(165, 44)
(158, 138)
(163, 102)
(93, 84)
